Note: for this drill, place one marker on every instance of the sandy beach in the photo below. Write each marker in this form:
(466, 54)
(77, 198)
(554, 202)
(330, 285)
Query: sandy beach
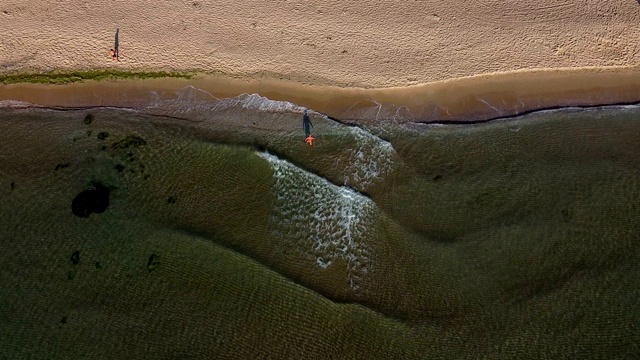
(444, 61)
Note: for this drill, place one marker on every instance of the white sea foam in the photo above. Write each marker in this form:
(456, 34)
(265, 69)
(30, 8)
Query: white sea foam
(15, 104)
(186, 100)
(260, 103)
(369, 161)
(324, 222)
(190, 99)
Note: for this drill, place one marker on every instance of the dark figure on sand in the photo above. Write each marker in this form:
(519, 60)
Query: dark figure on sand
(114, 51)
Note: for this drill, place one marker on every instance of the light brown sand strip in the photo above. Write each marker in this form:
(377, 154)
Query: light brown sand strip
(348, 43)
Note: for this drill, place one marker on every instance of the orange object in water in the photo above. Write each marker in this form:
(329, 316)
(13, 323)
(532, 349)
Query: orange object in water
(309, 140)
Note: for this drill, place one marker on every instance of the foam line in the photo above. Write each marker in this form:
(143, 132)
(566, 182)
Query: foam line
(322, 221)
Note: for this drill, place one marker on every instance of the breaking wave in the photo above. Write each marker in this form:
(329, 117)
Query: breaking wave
(194, 101)
(368, 162)
(324, 222)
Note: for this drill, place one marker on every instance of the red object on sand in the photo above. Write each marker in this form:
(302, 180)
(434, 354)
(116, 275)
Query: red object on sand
(309, 140)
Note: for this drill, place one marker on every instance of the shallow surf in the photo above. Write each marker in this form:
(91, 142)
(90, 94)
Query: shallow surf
(390, 238)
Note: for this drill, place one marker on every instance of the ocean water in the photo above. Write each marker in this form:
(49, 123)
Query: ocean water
(186, 226)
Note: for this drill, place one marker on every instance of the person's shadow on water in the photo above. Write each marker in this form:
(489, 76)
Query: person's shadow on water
(306, 123)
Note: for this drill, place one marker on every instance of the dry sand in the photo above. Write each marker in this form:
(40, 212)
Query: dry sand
(350, 44)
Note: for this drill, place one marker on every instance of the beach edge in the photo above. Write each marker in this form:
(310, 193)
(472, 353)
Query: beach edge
(478, 98)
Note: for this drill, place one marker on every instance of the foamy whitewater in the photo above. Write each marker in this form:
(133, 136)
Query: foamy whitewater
(190, 99)
(369, 162)
(323, 221)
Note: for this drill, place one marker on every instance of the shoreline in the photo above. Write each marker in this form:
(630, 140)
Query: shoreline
(467, 99)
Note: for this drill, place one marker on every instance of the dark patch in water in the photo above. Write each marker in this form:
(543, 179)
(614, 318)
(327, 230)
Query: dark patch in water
(481, 199)
(13, 185)
(130, 141)
(98, 265)
(103, 147)
(63, 320)
(93, 200)
(437, 177)
(153, 263)
(119, 167)
(71, 274)
(171, 200)
(103, 135)
(75, 257)
(88, 119)
(61, 166)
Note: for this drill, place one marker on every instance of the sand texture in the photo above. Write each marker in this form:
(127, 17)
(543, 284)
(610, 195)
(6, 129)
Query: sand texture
(344, 43)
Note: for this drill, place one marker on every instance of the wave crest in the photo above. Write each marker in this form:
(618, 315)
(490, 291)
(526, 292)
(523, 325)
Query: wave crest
(324, 222)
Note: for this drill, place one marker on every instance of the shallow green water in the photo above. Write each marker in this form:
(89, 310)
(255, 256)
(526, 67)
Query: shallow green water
(226, 236)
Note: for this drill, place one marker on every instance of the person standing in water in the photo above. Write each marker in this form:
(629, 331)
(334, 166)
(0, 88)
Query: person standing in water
(306, 126)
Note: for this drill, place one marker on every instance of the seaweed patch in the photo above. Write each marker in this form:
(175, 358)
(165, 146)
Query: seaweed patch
(75, 257)
(130, 141)
(88, 119)
(153, 263)
(61, 166)
(93, 200)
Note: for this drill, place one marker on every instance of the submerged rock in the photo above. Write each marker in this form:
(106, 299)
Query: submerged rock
(153, 263)
(88, 119)
(93, 200)
(61, 166)
(75, 257)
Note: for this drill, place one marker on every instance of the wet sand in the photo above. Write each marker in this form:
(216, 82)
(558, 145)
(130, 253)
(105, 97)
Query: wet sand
(473, 98)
